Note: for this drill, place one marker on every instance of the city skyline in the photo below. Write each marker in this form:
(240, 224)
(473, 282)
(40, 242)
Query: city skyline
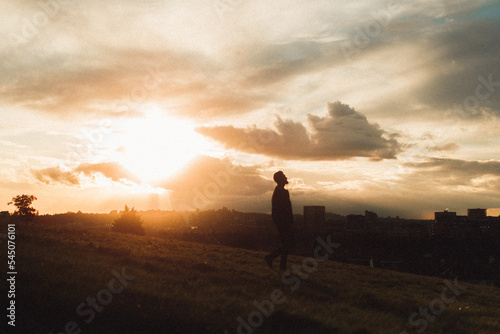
(386, 106)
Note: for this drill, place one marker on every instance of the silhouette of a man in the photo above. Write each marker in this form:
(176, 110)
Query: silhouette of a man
(283, 219)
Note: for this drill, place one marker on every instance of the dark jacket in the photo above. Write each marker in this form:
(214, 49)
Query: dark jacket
(282, 208)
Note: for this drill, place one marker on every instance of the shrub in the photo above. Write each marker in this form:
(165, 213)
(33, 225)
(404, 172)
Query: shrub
(129, 222)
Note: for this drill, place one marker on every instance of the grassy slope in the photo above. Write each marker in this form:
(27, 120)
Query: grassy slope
(182, 287)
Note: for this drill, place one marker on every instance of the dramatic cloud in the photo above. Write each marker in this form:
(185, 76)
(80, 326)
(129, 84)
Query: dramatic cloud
(111, 170)
(452, 172)
(55, 175)
(344, 133)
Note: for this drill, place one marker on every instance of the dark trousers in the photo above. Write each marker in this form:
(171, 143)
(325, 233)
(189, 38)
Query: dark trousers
(287, 241)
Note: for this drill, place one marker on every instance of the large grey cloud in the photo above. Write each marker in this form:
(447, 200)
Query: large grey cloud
(344, 133)
(453, 172)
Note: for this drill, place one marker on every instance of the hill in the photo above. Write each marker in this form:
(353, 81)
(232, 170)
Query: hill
(82, 280)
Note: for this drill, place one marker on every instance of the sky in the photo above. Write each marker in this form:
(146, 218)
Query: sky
(388, 106)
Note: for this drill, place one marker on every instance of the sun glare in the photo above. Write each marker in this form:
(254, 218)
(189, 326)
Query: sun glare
(157, 146)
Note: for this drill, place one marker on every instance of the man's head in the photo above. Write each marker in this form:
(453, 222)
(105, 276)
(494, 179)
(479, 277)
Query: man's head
(280, 178)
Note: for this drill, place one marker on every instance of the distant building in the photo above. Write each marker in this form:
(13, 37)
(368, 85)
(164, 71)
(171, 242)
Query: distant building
(445, 216)
(370, 216)
(476, 213)
(314, 218)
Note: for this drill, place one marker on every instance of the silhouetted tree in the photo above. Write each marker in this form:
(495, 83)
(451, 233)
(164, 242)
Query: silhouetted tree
(128, 222)
(24, 208)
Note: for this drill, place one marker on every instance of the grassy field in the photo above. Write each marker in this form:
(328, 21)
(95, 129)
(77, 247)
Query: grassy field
(77, 280)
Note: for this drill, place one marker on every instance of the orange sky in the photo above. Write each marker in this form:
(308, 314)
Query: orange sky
(385, 106)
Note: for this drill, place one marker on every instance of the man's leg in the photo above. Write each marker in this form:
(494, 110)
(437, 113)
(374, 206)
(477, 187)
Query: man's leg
(287, 242)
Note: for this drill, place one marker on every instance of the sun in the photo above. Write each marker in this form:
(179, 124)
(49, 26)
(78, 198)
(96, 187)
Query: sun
(156, 146)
